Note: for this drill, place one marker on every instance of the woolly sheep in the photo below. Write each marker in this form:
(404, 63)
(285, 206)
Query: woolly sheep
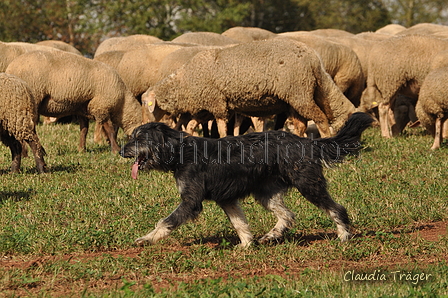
(391, 29)
(18, 118)
(10, 50)
(205, 38)
(138, 68)
(170, 64)
(361, 45)
(423, 29)
(339, 61)
(330, 32)
(259, 78)
(125, 43)
(66, 84)
(248, 34)
(399, 65)
(111, 58)
(60, 45)
(432, 104)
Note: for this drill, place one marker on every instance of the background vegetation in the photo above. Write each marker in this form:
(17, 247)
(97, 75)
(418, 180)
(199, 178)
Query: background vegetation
(85, 23)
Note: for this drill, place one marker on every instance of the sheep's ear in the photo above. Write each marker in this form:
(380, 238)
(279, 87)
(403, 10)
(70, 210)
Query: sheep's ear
(149, 101)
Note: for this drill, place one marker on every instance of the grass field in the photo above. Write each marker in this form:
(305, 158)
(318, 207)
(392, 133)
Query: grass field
(70, 232)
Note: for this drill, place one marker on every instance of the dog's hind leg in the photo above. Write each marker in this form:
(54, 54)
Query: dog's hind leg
(187, 210)
(284, 215)
(239, 222)
(316, 193)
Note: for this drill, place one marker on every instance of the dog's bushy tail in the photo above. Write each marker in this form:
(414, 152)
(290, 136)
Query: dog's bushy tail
(347, 141)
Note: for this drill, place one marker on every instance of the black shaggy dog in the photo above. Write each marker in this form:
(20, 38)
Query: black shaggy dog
(226, 170)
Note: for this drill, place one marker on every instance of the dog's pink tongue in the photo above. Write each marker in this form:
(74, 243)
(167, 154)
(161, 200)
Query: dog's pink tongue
(134, 172)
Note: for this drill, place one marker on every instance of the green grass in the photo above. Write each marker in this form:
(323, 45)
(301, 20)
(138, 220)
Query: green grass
(82, 217)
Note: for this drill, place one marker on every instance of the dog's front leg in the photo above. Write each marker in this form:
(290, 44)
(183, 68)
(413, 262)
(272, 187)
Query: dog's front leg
(284, 215)
(187, 210)
(239, 222)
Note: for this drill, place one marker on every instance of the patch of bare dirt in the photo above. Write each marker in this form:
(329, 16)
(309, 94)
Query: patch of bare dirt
(428, 231)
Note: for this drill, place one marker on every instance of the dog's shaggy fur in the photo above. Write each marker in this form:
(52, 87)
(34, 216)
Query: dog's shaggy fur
(226, 170)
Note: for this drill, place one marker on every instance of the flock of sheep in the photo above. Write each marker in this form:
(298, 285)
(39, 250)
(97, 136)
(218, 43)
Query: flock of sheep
(322, 75)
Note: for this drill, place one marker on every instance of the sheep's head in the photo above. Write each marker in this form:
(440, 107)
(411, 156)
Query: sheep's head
(150, 110)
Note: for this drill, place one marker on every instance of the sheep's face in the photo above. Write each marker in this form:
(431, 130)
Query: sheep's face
(150, 110)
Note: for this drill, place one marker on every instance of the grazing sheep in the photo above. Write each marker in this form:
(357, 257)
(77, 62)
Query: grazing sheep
(423, 29)
(205, 39)
(432, 104)
(125, 43)
(60, 45)
(65, 84)
(399, 65)
(111, 58)
(330, 32)
(170, 64)
(18, 118)
(248, 34)
(340, 61)
(360, 46)
(10, 50)
(391, 29)
(138, 68)
(259, 78)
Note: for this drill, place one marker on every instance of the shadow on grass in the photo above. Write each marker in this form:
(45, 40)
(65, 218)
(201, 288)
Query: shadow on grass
(16, 196)
(69, 168)
(302, 240)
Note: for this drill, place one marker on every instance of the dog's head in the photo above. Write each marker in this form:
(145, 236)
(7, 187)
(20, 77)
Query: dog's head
(154, 146)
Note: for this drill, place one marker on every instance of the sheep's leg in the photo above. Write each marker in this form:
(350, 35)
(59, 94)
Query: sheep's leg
(239, 222)
(438, 134)
(222, 127)
(444, 130)
(237, 126)
(16, 151)
(24, 150)
(383, 111)
(284, 215)
(98, 133)
(205, 129)
(110, 132)
(191, 127)
(84, 128)
(259, 123)
(38, 153)
(314, 113)
(300, 124)
(184, 119)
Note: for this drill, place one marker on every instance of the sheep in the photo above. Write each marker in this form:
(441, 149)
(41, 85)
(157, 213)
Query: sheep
(60, 45)
(391, 29)
(170, 64)
(10, 50)
(205, 38)
(361, 44)
(138, 68)
(330, 32)
(111, 58)
(398, 65)
(18, 118)
(432, 104)
(339, 61)
(423, 29)
(248, 34)
(66, 84)
(259, 78)
(125, 43)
